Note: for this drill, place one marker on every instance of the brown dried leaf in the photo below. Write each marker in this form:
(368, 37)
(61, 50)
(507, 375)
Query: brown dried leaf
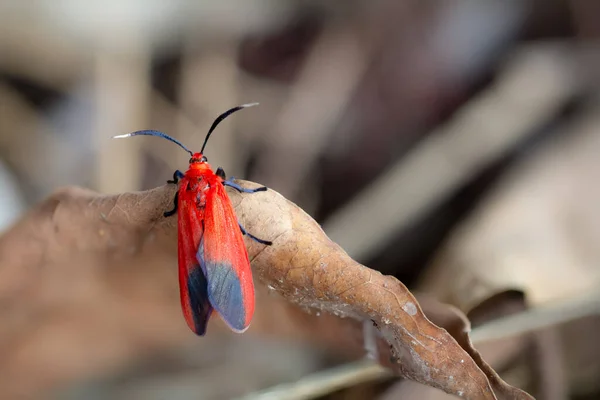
(101, 236)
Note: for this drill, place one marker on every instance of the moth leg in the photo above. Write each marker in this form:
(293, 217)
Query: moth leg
(177, 175)
(174, 210)
(261, 241)
(229, 182)
(221, 173)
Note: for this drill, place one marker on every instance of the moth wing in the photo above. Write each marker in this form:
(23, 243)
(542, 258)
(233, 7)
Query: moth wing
(193, 285)
(223, 257)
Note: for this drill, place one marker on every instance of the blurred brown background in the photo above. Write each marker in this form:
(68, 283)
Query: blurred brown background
(452, 144)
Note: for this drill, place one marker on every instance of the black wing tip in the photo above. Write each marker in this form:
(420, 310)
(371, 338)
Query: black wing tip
(200, 333)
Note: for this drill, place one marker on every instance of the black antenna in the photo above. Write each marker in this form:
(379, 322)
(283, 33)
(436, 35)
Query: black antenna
(154, 133)
(221, 118)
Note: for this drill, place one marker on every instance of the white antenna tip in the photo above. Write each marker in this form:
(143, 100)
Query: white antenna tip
(122, 136)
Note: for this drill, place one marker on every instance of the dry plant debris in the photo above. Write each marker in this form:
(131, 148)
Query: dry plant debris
(106, 264)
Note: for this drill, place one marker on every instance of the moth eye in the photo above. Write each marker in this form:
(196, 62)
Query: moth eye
(204, 159)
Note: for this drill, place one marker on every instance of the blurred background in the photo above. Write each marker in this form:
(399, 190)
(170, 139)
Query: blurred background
(452, 144)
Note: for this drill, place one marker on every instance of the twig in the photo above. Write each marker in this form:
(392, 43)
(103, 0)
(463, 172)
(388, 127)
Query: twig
(538, 318)
(121, 92)
(324, 382)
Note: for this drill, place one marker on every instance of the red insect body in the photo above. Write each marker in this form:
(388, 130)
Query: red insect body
(211, 243)
(214, 269)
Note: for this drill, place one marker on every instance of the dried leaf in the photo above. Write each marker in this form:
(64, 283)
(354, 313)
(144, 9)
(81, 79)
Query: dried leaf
(99, 236)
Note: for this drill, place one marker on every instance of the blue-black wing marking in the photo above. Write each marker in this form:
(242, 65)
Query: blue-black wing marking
(199, 302)
(224, 290)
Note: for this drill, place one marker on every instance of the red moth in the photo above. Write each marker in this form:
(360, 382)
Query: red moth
(214, 269)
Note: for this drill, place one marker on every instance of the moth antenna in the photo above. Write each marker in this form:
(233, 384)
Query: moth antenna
(154, 133)
(221, 118)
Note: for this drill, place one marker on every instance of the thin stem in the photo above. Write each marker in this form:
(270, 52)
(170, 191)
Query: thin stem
(324, 382)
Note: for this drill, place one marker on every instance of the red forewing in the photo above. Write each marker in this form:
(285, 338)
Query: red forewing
(192, 280)
(224, 259)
